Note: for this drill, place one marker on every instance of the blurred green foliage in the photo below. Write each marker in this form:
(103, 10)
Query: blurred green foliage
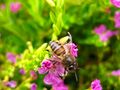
(40, 21)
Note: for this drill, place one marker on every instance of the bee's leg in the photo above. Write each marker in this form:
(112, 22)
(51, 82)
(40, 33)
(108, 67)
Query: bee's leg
(65, 73)
(76, 77)
(70, 37)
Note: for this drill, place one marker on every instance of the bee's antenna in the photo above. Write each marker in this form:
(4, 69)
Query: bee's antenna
(76, 77)
(70, 37)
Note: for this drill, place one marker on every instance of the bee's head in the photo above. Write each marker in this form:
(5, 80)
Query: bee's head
(70, 64)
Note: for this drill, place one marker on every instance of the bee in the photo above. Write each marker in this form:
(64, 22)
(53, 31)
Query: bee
(62, 51)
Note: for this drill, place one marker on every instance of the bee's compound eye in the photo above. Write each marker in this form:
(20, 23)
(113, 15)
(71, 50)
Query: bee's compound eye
(71, 67)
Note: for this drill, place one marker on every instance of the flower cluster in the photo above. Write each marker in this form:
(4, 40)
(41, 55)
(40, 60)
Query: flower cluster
(54, 69)
(103, 33)
(116, 72)
(116, 3)
(95, 85)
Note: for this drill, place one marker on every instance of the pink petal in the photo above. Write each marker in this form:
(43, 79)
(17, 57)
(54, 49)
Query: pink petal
(11, 57)
(42, 70)
(100, 29)
(117, 19)
(73, 50)
(15, 7)
(33, 86)
(59, 69)
(47, 64)
(51, 79)
(95, 85)
(116, 73)
(60, 86)
(11, 84)
(105, 37)
(116, 3)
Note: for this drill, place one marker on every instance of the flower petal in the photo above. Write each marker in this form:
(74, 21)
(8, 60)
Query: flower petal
(11, 84)
(15, 7)
(51, 79)
(42, 70)
(95, 85)
(11, 57)
(33, 86)
(73, 50)
(59, 69)
(100, 29)
(116, 3)
(60, 86)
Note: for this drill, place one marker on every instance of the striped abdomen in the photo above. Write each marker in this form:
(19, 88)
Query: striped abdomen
(57, 48)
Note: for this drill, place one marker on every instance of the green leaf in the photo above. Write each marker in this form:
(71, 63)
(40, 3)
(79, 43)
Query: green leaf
(59, 3)
(51, 3)
(56, 29)
(52, 17)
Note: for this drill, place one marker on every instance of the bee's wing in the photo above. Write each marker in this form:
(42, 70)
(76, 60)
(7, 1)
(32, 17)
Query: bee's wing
(64, 39)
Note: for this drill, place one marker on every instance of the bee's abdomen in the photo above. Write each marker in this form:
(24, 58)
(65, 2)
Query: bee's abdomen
(57, 48)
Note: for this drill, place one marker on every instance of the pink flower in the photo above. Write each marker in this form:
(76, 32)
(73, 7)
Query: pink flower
(73, 50)
(116, 73)
(33, 86)
(15, 7)
(11, 84)
(22, 71)
(53, 70)
(100, 29)
(117, 19)
(33, 74)
(2, 6)
(11, 57)
(103, 33)
(95, 85)
(116, 3)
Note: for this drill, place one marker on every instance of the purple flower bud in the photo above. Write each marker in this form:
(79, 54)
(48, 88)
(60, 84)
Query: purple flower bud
(15, 7)
(73, 50)
(33, 74)
(95, 85)
(33, 86)
(11, 84)
(116, 3)
(11, 57)
(116, 73)
(22, 71)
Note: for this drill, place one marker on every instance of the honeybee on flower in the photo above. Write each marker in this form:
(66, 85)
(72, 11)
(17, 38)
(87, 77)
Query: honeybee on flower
(61, 62)
(66, 52)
